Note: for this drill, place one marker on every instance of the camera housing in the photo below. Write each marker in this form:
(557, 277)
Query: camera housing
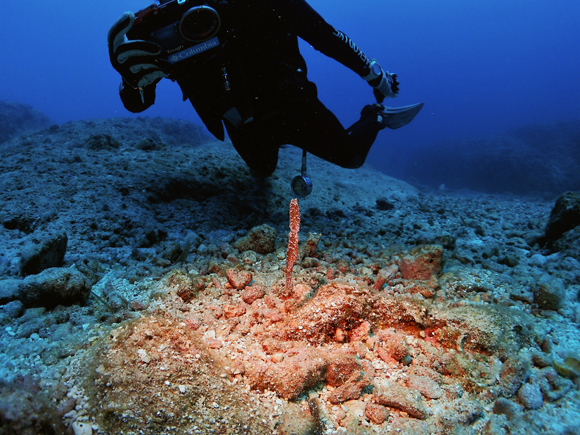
(182, 28)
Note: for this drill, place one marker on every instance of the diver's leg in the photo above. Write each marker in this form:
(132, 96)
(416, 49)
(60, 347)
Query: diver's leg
(324, 136)
(256, 146)
(310, 126)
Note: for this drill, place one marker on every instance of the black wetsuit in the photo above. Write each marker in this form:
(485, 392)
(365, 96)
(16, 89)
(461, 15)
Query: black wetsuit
(267, 77)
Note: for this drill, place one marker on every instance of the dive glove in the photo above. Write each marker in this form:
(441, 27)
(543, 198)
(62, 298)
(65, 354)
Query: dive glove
(384, 83)
(135, 60)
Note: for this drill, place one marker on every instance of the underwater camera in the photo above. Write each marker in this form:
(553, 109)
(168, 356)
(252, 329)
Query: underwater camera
(182, 28)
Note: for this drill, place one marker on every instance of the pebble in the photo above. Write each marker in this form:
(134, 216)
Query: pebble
(537, 260)
(530, 396)
(82, 428)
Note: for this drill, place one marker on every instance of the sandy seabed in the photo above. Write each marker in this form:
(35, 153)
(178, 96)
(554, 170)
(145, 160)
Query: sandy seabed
(409, 312)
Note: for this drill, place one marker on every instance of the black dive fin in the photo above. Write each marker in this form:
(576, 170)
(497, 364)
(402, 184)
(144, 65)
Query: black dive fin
(396, 117)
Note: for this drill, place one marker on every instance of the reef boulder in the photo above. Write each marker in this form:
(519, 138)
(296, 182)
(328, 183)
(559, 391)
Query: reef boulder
(48, 252)
(564, 217)
(54, 286)
(421, 262)
(260, 239)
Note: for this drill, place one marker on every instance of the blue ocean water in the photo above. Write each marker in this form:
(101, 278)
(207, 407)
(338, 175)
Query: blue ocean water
(481, 67)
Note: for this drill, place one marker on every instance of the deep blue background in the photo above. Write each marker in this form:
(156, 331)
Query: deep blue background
(480, 66)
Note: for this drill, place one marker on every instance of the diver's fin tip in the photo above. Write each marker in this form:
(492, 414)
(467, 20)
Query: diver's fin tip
(397, 117)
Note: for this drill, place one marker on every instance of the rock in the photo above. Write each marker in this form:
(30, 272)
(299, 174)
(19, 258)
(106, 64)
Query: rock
(174, 252)
(185, 285)
(26, 411)
(530, 396)
(150, 236)
(82, 428)
(251, 293)
(301, 293)
(353, 388)
(569, 368)
(448, 241)
(214, 344)
(426, 386)
(550, 294)
(349, 391)
(309, 247)
(515, 372)
(234, 311)
(261, 239)
(378, 414)
(568, 244)
(297, 421)
(290, 377)
(508, 408)
(521, 293)
(4, 265)
(239, 279)
(354, 415)
(54, 286)
(13, 309)
(66, 406)
(385, 275)
(99, 142)
(342, 368)
(148, 144)
(554, 387)
(404, 399)
(48, 253)
(509, 260)
(465, 412)
(541, 360)
(249, 257)
(9, 290)
(32, 321)
(564, 217)
(421, 262)
(362, 332)
(392, 346)
(384, 205)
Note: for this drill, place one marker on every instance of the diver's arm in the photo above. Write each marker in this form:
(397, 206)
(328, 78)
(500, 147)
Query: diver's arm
(303, 20)
(136, 61)
(137, 101)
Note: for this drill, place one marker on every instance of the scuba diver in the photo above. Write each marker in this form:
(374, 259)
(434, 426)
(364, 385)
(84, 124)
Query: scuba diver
(239, 64)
